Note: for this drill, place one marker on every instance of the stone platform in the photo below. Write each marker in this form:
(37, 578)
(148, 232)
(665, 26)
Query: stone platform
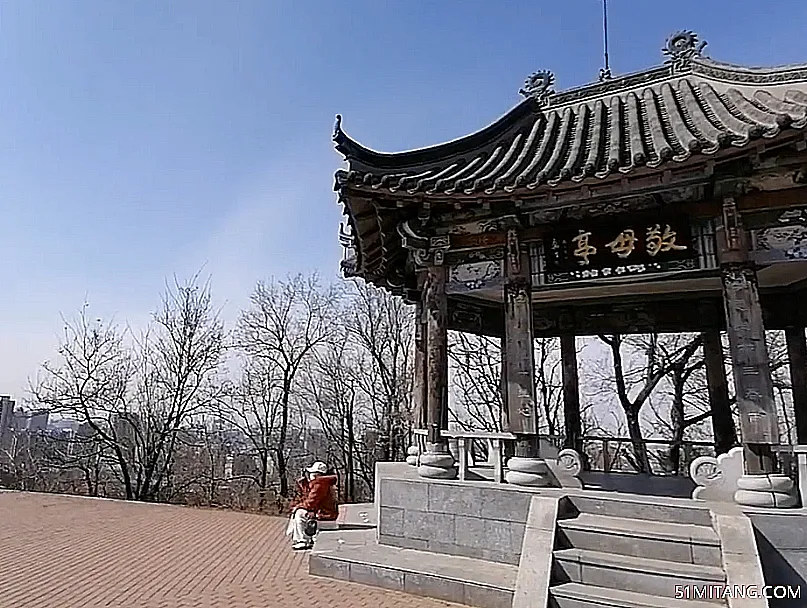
(356, 556)
(493, 545)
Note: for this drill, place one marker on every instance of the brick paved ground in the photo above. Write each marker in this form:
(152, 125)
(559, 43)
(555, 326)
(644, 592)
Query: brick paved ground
(70, 552)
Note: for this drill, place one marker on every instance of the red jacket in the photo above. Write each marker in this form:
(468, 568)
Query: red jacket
(319, 497)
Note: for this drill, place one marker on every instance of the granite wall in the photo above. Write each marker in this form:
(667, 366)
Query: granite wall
(782, 543)
(458, 519)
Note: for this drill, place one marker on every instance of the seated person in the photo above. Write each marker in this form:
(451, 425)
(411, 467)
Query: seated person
(317, 501)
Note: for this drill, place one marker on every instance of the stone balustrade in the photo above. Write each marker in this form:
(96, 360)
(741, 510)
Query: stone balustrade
(604, 454)
(723, 479)
(565, 464)
(718, 478)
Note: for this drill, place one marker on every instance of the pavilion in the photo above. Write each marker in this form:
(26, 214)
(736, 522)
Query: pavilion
(670, 200)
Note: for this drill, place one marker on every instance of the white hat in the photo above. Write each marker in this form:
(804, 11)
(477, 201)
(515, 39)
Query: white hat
(318, 467)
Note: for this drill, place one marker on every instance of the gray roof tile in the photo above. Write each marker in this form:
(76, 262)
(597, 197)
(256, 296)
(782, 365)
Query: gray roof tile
(661, 116)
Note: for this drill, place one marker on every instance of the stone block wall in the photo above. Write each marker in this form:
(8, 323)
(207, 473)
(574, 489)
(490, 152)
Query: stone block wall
(484, 521)
(782, 543)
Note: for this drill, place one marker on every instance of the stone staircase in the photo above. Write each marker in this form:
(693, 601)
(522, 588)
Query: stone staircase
(355, 556)
(607, 551)
(615, 553)
(351, 552)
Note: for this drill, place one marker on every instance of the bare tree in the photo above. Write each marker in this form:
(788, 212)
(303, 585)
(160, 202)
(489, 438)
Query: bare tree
(634, 384)
(549, 383)
(80, 453)
(285, 323)
(132, 400)
(779, 365)
(22, 460)
(684, 380)
(476, 363)
(334, 398)
(382, 328)
(178, 383)
(685, 405)
(198, 471)
(252, 406)
(91, 382)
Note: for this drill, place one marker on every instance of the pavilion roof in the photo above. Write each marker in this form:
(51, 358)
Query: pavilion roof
(690, 106)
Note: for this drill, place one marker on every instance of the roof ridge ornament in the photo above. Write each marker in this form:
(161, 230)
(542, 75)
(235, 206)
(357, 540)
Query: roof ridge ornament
(346, 235)
(681, 48)
(538, 86)
(337, 128)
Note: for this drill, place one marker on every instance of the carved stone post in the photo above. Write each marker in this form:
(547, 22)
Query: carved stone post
(761, 485)
(722, 419)
(526, 467)
(797, 355)
(571, 394)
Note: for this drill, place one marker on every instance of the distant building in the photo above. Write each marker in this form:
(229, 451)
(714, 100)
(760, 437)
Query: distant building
(19, 420)
(63, 428)
(31, 422)
(6, 416)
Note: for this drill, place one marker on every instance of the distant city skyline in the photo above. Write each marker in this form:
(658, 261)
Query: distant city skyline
(143, 140)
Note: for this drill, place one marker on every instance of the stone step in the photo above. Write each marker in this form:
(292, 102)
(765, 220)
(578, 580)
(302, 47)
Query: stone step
(686, 543)
(672, 510)
(630, 573)
(575, 595)
(354, 555)
(357, 515)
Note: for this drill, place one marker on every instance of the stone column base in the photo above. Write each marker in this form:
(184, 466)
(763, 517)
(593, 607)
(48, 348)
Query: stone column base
(532, 472)
(437, 463)
(765, 491)
(412, 455)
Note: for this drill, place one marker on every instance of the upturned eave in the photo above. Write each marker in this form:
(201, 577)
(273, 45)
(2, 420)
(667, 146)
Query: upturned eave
(651, 120)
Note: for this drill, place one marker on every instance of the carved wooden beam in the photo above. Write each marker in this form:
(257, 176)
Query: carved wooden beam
(681, 314)
(776, 199)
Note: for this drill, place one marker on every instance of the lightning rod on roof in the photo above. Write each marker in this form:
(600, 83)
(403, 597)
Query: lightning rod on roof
(605, 72)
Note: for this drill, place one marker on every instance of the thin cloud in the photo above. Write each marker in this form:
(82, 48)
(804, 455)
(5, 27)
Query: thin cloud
(283, 221)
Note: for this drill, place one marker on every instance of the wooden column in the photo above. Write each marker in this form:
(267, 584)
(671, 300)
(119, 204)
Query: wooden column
(436, 354)
(444, 411)
(419, 398)
(507, 448)
(723, 427)
(504, 420)
(571, 394)
(797, 356)
(519, 362)
(749, 353)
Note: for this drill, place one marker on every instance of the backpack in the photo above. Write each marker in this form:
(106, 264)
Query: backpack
(311, 527)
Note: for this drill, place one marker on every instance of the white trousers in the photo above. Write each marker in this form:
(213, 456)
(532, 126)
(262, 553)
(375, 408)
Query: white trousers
(296, 527)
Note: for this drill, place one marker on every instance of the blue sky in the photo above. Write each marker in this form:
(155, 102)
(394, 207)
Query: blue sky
(142, 139)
